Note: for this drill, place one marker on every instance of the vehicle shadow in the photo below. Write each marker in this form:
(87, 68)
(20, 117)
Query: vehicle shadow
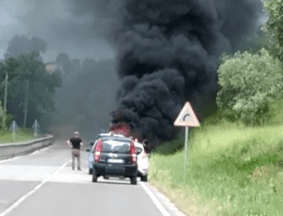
(114, 182)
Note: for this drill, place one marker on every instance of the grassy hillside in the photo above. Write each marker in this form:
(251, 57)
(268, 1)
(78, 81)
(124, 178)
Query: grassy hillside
(232, 169)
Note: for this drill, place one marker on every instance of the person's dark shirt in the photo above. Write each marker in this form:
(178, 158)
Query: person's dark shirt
(75, 141)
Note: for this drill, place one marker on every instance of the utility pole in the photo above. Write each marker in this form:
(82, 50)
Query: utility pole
(5, 101)
(26, 104)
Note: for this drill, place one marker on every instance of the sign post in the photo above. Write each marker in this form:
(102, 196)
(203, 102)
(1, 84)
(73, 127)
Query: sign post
(5, 102)
(186, 153)
(186, 118)
(14, 127)
(36, 127)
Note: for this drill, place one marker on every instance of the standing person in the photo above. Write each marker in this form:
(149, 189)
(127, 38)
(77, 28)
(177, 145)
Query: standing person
(75, 142)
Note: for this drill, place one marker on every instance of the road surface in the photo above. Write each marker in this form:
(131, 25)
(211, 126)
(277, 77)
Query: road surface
(44, 184)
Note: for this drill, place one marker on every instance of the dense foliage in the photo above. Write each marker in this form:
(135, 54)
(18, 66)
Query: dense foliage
(274, 26)
(28, 81)
(21, 45)
(248, 83)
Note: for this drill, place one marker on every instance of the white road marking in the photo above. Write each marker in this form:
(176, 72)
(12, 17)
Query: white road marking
(40, 150)
(163, 211)
(24, 197)
(166, 201)
(10, 159)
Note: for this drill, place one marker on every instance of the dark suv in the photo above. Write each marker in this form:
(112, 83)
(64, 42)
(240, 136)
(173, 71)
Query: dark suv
(115, 156)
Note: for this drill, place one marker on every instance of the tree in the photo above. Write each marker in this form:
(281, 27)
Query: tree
(28, 75)
(247, 84)
(20, 45)
(255, 44)
(274, 26)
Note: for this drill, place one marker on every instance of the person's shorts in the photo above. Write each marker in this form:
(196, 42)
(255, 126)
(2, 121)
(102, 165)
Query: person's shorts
(76, 152)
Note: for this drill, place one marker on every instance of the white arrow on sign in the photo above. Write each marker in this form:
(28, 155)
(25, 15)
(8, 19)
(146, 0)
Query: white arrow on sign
(187, 117)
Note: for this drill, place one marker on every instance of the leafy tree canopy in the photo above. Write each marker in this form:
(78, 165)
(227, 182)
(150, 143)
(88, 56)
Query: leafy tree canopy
(28, 75)
(274, 26)
(247, 83)
(21, 45)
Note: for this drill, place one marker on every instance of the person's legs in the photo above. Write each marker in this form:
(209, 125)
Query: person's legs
(73, 159)
(79, 160)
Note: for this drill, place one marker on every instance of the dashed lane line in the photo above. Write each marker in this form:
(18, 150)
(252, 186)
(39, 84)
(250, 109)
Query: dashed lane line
(40, 150)
(24, 197)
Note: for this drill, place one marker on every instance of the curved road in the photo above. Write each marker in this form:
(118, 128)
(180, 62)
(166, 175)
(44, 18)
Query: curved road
(43, 183)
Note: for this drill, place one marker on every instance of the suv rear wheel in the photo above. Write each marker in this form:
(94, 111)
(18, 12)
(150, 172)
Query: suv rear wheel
(134, 180)
(94, 177)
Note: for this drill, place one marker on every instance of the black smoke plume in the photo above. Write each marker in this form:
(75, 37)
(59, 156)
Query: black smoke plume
(168, 52)
(85, 99)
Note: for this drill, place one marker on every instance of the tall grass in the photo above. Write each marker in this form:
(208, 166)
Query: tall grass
(232, 169)
(20, 136)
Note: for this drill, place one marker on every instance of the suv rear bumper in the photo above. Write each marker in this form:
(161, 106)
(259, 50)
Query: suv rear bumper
(115, 170)
(142, 172)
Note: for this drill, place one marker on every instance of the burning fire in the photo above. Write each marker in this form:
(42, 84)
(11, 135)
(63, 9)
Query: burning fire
(124, 129)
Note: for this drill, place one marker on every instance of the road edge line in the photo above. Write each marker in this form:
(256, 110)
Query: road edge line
(157, 203)
(39, 150)
(24, 197)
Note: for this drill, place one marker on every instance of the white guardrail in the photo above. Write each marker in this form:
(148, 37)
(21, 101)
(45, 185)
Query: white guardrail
(9, 150)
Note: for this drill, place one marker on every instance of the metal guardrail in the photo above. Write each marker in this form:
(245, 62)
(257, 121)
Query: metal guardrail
(9, 150)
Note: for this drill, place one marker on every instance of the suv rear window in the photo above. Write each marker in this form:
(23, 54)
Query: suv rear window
(115, 137)
(115, 146)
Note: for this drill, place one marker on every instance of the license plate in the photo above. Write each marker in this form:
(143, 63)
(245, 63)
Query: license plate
(112, 160)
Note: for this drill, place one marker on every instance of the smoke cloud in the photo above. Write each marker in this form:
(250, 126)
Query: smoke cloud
(86, 97)
(167, 53)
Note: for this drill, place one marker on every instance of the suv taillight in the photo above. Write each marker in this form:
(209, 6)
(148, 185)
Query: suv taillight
(133, 154)
(97, 151)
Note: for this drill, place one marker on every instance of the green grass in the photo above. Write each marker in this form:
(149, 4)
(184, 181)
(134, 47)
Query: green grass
(20, 136)
(232, 169)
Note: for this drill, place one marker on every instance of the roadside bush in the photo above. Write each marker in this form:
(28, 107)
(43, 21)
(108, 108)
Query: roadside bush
(248, 84)
(275, 112)
(9, 118)
(253, 110)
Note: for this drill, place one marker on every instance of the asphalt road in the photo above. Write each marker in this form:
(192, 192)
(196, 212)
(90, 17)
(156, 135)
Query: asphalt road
(44, 184)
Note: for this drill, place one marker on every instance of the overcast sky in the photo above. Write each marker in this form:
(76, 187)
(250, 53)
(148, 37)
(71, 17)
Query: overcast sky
(54, 22)
(77, 33)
